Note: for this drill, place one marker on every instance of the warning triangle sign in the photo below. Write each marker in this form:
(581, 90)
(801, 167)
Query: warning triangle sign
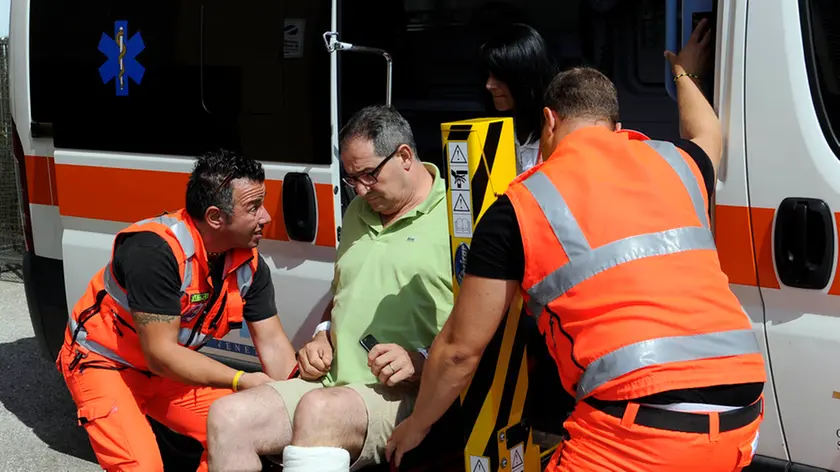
(516, 460)
(461, 204)
(479, 467)
(458, 156)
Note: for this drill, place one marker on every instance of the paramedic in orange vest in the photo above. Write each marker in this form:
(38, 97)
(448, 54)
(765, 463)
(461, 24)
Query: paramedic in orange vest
(173, 283)
(609, 243)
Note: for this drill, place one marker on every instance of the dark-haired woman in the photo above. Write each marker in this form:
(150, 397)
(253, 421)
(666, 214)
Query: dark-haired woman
(519, 68)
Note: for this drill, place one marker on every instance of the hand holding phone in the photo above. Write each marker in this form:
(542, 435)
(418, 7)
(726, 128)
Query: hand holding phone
(389, 362)
(368, 342)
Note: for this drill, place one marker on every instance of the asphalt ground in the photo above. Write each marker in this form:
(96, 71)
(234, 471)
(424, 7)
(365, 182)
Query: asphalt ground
(38, 429)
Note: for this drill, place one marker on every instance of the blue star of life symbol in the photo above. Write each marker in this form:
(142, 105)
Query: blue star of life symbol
(122, 63)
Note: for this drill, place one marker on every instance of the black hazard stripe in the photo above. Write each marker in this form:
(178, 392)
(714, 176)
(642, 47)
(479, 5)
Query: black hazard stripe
(478, 184)
(456, 133)
(481, 382)
(509, 389)
(459, 132)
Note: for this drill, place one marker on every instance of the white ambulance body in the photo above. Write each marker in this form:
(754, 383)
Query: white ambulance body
(108, 132)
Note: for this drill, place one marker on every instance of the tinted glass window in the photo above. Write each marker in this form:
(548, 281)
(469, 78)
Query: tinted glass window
(183, 77)
(821, 28)
(437, 75)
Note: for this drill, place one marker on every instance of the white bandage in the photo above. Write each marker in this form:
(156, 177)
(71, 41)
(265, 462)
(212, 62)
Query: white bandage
(315, 459)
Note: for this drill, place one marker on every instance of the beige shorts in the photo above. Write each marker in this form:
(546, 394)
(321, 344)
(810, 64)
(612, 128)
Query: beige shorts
(386, 408)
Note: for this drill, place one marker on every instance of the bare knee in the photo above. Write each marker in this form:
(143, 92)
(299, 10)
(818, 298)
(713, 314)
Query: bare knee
(228, 415)
(319, 407)
(248, 416)
(330, 417)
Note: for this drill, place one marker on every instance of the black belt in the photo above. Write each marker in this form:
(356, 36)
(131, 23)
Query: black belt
(678, 420)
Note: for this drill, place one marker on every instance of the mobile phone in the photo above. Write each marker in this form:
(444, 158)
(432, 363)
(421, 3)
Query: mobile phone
(368, 342)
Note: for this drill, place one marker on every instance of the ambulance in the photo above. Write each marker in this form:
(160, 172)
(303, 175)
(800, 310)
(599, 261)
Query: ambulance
(113, 100)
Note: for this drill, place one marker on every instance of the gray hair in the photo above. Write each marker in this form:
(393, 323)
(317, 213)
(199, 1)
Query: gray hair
(382, 125)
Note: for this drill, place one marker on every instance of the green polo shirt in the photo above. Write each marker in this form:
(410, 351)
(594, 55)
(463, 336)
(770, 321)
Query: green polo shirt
(394, 282)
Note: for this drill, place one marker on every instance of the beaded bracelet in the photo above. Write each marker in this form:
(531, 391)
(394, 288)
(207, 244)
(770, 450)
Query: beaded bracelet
(687, 74)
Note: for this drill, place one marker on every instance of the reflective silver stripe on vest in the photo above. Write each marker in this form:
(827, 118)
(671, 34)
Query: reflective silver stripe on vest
(185, 239)
(94, 346)
(675, 160)
(113, 289)
(587, 265)
(244, 278)
(554, 207)
(585, 262)
(665, 351)
(184, 336)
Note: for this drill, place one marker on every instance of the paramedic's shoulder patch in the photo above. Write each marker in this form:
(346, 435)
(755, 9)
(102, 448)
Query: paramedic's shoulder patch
(199, 297)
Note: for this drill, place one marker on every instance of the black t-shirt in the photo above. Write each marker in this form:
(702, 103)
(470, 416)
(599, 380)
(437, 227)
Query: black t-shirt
(497, 253)
(146, 267)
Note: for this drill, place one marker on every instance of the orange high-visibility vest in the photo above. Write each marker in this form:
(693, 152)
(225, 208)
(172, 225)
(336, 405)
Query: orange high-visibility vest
(621, 269)
(101, 320)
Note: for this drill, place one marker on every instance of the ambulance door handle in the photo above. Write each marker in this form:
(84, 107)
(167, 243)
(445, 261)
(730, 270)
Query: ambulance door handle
(300, 207)
(804, 243)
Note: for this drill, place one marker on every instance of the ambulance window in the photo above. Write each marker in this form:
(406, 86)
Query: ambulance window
(821, 30)
(196, 75)
(438, 77)
(41, 71)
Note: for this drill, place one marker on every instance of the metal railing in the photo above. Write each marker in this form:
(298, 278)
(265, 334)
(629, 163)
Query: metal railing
(12, 244)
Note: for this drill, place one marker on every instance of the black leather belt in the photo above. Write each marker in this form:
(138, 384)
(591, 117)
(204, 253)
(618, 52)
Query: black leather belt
(679, 420)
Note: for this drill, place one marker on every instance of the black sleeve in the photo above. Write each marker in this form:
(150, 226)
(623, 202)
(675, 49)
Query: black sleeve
(146, 267)
(497, 251)
(703, 162)
(259, 301)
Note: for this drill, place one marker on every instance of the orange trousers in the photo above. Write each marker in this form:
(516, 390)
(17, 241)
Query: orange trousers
(599, 442)
(113, 404)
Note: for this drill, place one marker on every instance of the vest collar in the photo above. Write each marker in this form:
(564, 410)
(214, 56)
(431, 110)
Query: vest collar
(595, 133)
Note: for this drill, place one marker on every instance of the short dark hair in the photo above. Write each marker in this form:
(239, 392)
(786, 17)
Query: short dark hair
(583, 92)
(210, 181)
(382, 125)
(519, 57)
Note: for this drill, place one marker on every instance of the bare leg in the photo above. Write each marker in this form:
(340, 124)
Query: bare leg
(331, 417)
(243, 426)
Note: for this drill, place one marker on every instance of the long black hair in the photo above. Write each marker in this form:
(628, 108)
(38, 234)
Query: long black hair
(519, 57)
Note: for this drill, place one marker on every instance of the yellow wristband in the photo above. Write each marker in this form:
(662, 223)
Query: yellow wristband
(236, 378)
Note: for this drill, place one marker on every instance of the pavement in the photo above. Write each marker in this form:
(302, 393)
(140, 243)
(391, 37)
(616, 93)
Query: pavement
(38, 429)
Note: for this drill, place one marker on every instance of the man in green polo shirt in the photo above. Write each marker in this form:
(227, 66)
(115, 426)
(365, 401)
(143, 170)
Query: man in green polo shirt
(393, 281)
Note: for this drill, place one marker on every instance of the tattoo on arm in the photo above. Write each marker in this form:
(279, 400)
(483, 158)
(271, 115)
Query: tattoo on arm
(143, 319)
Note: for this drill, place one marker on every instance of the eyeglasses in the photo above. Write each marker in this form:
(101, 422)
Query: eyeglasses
(369, 178)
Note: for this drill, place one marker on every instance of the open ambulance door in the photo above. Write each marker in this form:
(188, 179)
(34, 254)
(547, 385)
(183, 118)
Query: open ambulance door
(136, 90)
(789, 134)
(735, 216)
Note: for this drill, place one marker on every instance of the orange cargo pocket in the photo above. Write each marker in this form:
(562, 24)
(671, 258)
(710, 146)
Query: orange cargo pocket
(106, 433)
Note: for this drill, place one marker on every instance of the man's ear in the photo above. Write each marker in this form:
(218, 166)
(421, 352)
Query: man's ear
(213, 217)
(406, 156)
(547, 133)
(549, 121)
(618, 126)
